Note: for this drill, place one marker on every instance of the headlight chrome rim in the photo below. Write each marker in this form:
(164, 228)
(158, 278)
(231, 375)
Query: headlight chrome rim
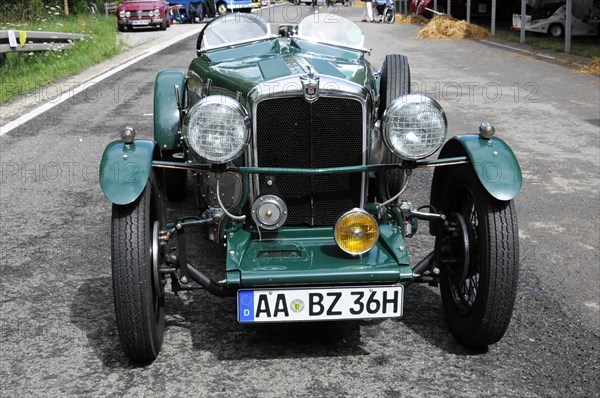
(227, 104)
(370, 242)
(399, 105)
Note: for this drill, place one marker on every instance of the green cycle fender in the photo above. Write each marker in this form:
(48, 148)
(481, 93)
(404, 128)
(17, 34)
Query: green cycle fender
(493, 161)
(166, 115)
(125, 170)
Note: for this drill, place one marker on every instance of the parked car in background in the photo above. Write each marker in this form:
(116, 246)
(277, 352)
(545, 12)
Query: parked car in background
(551, 20)
(222, 7)
(143, 13)
(297, 153)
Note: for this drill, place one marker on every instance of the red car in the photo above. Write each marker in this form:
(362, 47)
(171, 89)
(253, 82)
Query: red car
(132, 13)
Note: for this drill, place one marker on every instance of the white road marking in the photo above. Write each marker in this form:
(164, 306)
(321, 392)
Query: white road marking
(49, 105)
(519, 50)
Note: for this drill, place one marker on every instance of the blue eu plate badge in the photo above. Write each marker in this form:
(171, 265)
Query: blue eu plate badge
(246, 306)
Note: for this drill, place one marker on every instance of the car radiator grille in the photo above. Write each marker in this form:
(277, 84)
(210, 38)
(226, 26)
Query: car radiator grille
(290, 132)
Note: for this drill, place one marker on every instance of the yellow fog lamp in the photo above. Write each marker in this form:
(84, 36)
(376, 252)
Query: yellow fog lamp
(356, 232)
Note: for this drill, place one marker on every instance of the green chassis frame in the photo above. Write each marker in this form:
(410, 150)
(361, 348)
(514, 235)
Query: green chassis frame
(307, 256)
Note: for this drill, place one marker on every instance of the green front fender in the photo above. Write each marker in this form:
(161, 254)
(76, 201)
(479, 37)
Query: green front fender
(493, 161)
(166, 115)
(125, 170)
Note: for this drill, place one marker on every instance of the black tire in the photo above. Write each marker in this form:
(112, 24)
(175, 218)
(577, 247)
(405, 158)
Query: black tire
(221, 8)
(139, 307)
(121, 28)
(478, 300)
(163, 25)
(395, 82)
(556, 30)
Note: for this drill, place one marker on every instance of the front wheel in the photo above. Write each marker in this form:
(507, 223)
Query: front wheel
(137, 288)
(478, 254)
(395, 82)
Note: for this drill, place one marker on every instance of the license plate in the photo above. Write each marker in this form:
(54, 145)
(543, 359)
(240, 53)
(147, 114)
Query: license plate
(140, 22)
(294, 305)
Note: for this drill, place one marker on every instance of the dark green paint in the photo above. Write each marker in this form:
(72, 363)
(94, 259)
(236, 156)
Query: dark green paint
(273, 68)
(494, 163)
(316, 260)
(241, 68)
(324, 67)
(166, 115)
(123, 179)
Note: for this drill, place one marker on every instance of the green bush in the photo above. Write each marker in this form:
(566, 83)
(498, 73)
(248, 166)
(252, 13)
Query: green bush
(31, 10)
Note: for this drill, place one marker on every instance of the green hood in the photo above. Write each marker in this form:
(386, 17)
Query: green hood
(240, 68)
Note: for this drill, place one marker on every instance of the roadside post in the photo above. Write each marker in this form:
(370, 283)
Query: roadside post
(469, 11)
(523, 7)
(493, 28)
(568, 24)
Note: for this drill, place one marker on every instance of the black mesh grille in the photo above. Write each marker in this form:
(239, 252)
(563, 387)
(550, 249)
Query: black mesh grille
(327, 133)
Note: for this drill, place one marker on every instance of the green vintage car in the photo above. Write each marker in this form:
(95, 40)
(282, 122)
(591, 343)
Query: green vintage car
(295, 153)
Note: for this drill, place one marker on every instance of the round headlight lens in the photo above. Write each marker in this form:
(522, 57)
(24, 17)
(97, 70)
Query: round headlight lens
(127, 14)
(414, 126)
(150, 13)
(122, 13)
(217, 128)
(356, 232)
(157, 13)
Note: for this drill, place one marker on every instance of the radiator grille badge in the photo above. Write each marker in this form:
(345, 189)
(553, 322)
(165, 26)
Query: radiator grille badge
(310, 86)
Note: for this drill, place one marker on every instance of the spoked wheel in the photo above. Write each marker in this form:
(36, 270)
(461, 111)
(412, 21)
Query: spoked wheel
(395, 82)
(137, 284)
(478, 253)
(389, 16)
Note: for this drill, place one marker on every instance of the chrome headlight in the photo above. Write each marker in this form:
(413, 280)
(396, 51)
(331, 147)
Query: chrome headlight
(414, 126)
(217, 128)
(127, 14)
(151, 13)
(122, 13)
(157, 13)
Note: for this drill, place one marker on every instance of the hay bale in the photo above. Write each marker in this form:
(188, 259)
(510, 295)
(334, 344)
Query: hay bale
(358, 4)
(444, 27)
(593, 68)
(411, 19)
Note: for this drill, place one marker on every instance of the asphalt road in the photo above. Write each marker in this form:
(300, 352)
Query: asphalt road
(57, 328)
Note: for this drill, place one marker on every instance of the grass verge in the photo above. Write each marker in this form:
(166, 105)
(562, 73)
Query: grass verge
(25, 72)
(581, 46)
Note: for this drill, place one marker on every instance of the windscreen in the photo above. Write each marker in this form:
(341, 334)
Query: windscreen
(331, 29)
(234, 28)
